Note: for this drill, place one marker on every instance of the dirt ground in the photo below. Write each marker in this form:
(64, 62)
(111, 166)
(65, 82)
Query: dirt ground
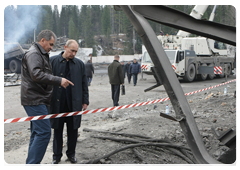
(218, 111)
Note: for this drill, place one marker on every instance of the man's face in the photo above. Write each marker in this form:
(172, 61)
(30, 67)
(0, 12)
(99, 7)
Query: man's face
(122, 63)
(71, 50)
(47, 45)
(134, 61)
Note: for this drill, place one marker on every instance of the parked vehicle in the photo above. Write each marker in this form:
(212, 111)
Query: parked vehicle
(193, 57)
(13, 54)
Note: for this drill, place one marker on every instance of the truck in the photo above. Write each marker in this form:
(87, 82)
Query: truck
(13, 54)
(188, 65)
(194, 57)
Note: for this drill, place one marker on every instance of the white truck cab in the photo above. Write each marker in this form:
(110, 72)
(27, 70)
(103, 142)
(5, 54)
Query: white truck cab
(146, 62)
(176, 58)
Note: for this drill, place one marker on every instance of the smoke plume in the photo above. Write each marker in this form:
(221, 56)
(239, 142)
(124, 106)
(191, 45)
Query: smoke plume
(19, 22)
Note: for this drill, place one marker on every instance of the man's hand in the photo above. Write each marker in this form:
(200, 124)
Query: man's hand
(84, 107)
(65, 83)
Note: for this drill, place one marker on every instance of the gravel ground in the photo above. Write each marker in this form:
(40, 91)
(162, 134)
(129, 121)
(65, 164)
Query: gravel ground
(211, 109)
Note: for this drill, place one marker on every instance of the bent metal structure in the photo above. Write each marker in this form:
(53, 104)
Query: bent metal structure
(138, 14)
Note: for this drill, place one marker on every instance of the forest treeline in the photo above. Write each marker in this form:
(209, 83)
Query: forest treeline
(86, 21)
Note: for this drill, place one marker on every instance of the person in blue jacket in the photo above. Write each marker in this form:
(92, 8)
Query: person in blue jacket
(134, 70)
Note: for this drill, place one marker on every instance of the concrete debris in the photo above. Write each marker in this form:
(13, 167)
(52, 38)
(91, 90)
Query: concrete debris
(208, 96)
(223, 104)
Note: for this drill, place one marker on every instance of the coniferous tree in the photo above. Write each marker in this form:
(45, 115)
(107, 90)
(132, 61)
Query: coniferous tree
(96, 19)
(106, 25)
(62, 21)
(82, 19)
(56, 28)
(72, 30)
(47, 20)
(88, 31)
(106, 20)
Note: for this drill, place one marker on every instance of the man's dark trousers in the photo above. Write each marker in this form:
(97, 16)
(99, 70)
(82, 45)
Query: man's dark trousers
(134, 78)
(72, 135)
(129, 77)
(115, 93)
(40, 134)
(89, 80)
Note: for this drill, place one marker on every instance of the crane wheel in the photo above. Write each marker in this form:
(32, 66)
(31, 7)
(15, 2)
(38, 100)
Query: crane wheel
(229, 69)
(190, 73)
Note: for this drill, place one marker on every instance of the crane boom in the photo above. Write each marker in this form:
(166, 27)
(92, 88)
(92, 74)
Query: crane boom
(197, 13)
(213, 13)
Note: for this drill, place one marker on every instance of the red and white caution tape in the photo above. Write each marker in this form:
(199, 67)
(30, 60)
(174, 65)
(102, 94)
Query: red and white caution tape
(50, 116)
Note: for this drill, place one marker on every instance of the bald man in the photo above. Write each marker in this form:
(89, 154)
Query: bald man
(115, 74)
(74, 98)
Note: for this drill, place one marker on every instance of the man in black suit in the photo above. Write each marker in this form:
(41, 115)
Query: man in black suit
(74, 98)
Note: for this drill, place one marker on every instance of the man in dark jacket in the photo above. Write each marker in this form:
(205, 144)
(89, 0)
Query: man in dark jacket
(134, 70)
(127, 71)
(36, 91)
(115, 74)
(123, 68)
(89, 71)
(73, 98)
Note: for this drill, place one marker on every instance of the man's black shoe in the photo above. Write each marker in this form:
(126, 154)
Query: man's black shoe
(72, 159)
(55, 161)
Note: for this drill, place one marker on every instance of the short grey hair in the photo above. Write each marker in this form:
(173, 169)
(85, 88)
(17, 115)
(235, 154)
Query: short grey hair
(47, 34)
